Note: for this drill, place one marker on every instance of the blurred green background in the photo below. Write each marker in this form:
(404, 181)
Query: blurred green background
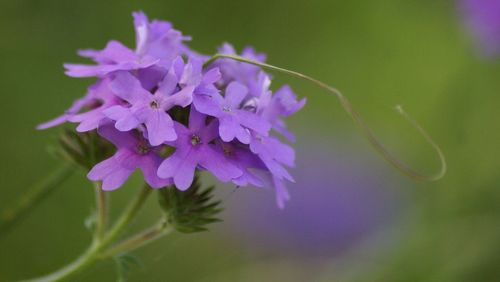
(379, 53)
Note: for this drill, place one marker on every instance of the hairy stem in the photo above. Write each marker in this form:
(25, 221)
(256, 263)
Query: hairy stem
(367, 132)
(101, 211)
(129, 214)
(147, 236)
(31, 198)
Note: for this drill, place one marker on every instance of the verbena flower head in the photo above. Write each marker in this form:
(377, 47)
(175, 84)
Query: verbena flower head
(169, 116)
(483, 19)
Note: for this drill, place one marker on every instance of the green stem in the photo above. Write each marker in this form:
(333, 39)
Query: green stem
(147, 236)
(80, 264)
(94, 253)
(101, 211)
(367, 132)
(30, 199)
(128, 215)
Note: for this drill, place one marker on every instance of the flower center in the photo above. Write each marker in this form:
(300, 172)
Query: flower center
(251, 105)
(142, 148)
(154, 104)
(195, 140)
(226, 109)
(227, 151)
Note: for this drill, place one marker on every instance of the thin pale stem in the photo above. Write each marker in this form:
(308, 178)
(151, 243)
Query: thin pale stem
(32, 197)
(80, 264)
(367, 132)
(147, 236)
(101, 211)
(129, 214)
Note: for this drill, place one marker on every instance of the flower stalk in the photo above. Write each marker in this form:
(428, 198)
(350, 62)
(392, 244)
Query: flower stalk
(102, 240)
(129, 214)
(147, 236)
(101, 211)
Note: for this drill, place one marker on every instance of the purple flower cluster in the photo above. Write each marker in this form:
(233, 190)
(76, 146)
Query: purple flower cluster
(169, 116)
(483, 19)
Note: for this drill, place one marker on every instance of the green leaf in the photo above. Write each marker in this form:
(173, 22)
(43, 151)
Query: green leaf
(124, 264)
(191, 210)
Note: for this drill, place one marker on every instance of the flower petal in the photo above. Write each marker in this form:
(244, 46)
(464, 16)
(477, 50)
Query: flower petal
(235, 93)
(215, 162)
(149, 166)
(160, 128)
(208, 104)
(118, 138)
(127, 123)
(182, 98)
(212, 76)
(181, 166)
(254, 122)
(228, 128)
(168, 84)
(116, 112)
(53, 122)
(196, 120)
(128, 87)
(110, 172)
(282, 194)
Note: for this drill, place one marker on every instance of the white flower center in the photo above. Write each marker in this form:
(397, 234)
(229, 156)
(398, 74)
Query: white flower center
(195, 140)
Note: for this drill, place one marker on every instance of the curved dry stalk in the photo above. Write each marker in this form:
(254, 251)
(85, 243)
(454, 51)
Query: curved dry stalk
(367, 132)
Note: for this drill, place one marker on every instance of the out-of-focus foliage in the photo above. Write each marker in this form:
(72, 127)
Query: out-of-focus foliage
(379, 53)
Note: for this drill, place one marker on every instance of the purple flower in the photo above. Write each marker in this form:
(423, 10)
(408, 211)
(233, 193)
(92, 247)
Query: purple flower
(144, 97)
(193, 149)
(148, 108)
(157, 43)
(115, 56)
(483, 19)
(192, 74)
(158, 39)
(234, 122)
(275, 155)
(236, 71)
(282, 104)
(99, 97)
(73, 110)
(341, 202)
(133, 151)
(241, 157)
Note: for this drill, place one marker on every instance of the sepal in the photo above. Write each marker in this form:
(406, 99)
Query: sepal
(191, 210)
(84, 149)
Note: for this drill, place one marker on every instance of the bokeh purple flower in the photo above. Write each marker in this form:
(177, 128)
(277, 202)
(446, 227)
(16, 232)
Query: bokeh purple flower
(339, 202)
(483, 19)
(161, 97)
